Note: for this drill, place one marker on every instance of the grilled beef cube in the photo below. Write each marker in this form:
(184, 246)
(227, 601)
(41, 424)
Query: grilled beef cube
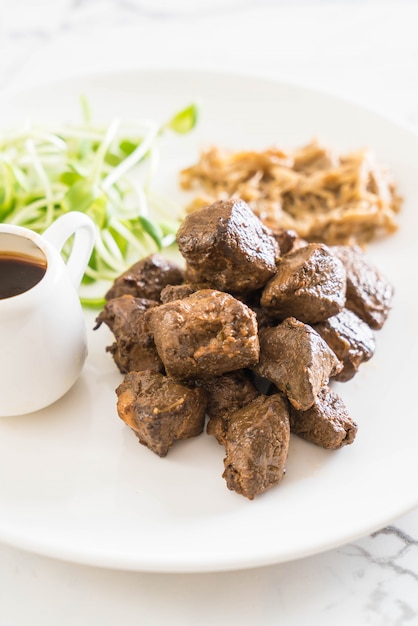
(327, 423)
(351, 339)
(288, 240)
(369, 293)
(256, 445)
(226, 245)
(226, 394)
(310, 285)
(159, 410)
(297, 360)
(146, 278)
(206, 334)
(134, 348)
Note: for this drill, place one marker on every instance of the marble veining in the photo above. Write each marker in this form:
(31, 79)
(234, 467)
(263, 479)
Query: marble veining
(403, 560)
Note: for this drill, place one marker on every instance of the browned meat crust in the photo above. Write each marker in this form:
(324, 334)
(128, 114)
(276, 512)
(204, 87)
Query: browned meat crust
(159, 410)
(206, 334)
(134, 348)
(297, 360)
(178, 292)
(309, 284)
(369, 293)
(227, 246)
(327, 423)
(226, 394)
(351, 339)
(146, 278)
(256, 445)
(288, 240)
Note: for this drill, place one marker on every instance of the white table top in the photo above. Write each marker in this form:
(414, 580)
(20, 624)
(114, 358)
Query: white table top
(366, 50)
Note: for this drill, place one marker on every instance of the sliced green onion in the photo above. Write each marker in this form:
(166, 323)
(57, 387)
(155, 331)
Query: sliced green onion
(185, 120)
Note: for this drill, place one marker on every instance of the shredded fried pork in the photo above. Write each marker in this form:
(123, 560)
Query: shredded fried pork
(323, 196)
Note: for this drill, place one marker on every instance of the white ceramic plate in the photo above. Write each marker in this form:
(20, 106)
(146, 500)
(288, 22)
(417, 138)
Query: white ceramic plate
(75, 484)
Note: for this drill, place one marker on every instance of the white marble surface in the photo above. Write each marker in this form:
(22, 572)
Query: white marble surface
(363, 49)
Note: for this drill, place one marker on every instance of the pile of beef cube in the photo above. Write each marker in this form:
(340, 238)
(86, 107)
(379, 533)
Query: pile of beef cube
(248, 334)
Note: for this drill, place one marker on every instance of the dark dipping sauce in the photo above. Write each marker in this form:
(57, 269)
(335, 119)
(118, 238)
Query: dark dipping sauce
(18, 274)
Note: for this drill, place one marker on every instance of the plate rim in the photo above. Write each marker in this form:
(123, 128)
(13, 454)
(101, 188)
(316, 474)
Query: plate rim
(330, 95)
(262, 76)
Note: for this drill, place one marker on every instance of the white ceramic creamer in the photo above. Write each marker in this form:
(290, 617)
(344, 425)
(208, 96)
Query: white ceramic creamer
(43, 342)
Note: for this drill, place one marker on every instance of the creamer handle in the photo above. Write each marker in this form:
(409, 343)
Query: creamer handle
(83, 229)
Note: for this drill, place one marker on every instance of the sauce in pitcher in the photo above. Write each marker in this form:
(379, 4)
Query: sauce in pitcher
(19, 273)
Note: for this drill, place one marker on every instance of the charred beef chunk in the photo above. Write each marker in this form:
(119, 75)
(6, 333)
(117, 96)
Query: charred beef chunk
(134, 348)
(226, 394)
(327, 423)
(369, 294)
(146, 278)
(351, 339)
(297, 360)
(206, 334)
(159, 410)
(310, 285)
(226, 245)
(256, 445)
(288, 240)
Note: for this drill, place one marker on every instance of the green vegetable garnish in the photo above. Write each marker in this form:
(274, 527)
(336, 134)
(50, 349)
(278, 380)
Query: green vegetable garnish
(185, 120)
(104, 172)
